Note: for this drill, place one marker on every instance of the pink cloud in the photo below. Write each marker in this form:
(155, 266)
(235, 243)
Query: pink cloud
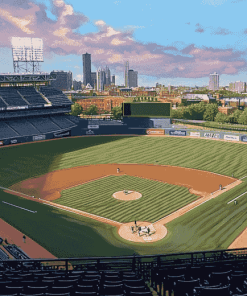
(109, 46)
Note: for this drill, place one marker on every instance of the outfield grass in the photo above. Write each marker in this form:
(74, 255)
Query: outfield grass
(212, 225)
(158, 199)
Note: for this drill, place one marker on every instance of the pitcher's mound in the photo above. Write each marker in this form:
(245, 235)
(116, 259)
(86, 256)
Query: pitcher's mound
(129, 232)
(127, 195)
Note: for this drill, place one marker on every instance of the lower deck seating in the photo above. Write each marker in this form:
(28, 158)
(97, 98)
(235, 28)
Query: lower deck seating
(62, 121)
(6, 131)
(23, 127)
(44, 124)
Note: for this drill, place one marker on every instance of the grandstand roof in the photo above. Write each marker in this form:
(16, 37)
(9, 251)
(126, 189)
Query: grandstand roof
(26, 77)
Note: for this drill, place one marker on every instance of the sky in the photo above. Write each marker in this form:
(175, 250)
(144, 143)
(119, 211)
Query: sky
(170, 42)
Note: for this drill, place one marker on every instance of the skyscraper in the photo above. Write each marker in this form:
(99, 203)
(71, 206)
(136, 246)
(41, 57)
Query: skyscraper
(214, 81)
(113, 80)
(93, 80)
(133, 78)
(100, 79)
(107, 76)
(63, 80)
(86, 60)
(126, 74)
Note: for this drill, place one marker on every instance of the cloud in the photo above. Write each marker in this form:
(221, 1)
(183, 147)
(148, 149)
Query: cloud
(213, 2)
(187, 23)
(111, 46)
(199, 28)
(221, 31)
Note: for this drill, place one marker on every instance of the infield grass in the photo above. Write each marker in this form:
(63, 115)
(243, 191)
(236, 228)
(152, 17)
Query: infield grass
(158, 199)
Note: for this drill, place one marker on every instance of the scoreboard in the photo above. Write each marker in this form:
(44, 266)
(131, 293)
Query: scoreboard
(147, 109)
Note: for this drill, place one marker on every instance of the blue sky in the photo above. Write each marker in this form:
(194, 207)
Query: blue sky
(170, 42)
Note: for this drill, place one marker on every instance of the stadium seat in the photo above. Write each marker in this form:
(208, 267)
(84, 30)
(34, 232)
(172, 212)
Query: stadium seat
(112, 290)
(81, 288)
(221, 291)
(185, 288)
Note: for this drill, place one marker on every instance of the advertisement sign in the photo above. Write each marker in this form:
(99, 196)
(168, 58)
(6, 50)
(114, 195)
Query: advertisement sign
(177, 133)
(155, 132)
(195, 134)
(89, 132)
(244, 138)
(13, 141)
(61, 135)
(212, 135)
(17, 108)
(1, 143)
(39, 137)
(231, 138)
(92, 126)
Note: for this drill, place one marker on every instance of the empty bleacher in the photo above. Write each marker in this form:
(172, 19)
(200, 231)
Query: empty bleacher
(3, 255)
(6, 131)
(31, 95)
(2, 104)
(22, 127)
(43, 124)
(12, 97)
(62, 121)
(55, 96)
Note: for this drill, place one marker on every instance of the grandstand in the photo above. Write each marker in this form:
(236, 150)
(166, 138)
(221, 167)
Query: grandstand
(31, 110)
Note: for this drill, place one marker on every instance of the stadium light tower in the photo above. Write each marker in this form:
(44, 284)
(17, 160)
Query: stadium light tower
(27, 54)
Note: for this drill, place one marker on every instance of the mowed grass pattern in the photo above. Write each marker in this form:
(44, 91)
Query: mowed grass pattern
(215, 156)
(158, 199)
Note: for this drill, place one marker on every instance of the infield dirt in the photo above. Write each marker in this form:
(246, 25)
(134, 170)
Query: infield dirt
(204, 184)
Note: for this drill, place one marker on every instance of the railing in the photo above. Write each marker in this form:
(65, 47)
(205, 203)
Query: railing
(142, 265)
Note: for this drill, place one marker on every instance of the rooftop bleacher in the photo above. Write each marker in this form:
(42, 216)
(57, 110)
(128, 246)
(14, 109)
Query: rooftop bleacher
(31, 95)
(11, 97)
(55, 96)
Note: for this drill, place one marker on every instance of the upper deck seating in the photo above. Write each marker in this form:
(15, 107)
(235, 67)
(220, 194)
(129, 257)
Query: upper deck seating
(55, 96)
(31, 95)
(11, 97)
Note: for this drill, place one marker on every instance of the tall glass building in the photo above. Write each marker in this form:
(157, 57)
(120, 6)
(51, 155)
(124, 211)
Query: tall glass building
(86, 60)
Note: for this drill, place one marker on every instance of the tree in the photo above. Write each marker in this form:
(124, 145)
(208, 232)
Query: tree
(243, 117)
(210, 112)
(92, 110)
(221, 117)
(76, 109)
(117, 113)
(234, 117)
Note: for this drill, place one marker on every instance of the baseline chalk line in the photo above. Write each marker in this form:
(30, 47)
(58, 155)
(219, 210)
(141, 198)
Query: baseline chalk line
(237, 197)
(19, 207)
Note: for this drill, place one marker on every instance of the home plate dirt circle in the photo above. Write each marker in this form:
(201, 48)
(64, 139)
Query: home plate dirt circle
(158, 231)
(127, 195)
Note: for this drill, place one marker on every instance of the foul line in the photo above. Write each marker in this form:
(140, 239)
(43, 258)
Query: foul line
(243, 177)
(19, 207)
(237, 197)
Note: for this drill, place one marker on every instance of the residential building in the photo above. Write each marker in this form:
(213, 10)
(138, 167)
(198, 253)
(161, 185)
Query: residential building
(63, 80)
(133, 78)
(237, 86)
(77, 85)
(214, 81)
(86, 60)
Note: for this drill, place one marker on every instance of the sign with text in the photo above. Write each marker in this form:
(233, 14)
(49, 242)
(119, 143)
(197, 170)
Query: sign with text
(195, 134)
(212, 135)
(92, 126)
(39, 137)
(61, 135)
(155, 132)
(177, 133)
(231, 138)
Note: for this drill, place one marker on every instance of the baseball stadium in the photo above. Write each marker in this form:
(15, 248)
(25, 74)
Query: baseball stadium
(113, 202)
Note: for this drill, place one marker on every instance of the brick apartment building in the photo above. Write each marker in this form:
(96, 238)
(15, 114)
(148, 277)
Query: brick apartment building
(103, 104)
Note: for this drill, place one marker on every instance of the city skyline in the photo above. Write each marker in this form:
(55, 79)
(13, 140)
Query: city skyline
(182, 47)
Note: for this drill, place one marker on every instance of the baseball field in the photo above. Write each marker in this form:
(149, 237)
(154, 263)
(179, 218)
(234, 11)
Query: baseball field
(80, 173)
